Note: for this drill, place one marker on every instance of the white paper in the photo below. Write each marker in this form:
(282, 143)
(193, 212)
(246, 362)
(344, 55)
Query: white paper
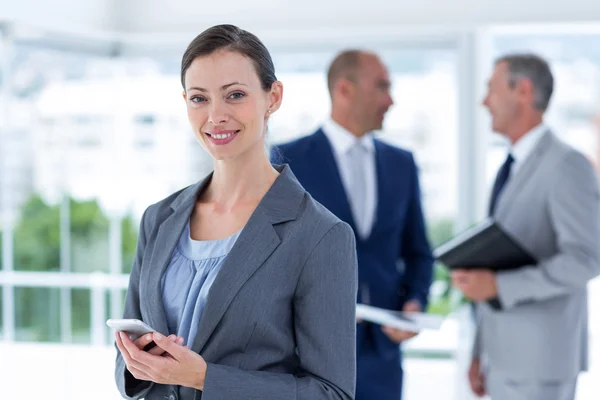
(407, 321)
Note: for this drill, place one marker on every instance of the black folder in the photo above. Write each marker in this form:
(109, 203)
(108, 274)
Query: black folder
(484, 246)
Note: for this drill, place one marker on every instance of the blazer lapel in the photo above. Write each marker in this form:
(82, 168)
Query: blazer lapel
(382, 188)
(167, 237)
(327, 171)
(523, 174)
(255, 244)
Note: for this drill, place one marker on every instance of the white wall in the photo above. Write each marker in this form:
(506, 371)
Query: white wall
(262, 15)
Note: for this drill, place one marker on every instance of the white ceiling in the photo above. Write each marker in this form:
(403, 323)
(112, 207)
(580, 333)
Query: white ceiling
(177, 21)
(193, 16)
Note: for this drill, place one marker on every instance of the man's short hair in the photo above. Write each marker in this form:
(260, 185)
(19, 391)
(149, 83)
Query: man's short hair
(344, 65)
(536, 69)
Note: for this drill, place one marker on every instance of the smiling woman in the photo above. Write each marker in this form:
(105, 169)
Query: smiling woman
(249, 283)
(227, 102)
(230, 90)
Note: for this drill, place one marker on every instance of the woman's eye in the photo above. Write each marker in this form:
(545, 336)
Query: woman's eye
(237, 95)
(197, 99)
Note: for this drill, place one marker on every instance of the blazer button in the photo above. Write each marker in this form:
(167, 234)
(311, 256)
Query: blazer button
(172, 396)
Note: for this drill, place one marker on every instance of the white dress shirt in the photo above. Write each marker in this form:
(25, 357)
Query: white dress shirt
(342, 142)
(524, 146)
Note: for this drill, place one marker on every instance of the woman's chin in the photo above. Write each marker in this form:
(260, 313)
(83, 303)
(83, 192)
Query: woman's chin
(224, 155)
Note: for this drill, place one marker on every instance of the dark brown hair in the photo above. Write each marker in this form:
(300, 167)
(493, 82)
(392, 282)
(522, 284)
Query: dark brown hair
(232, 38)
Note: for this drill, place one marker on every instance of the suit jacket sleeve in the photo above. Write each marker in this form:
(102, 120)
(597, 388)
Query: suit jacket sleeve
(130, 387)
(325, 327)
(574, 210)
(416, 252)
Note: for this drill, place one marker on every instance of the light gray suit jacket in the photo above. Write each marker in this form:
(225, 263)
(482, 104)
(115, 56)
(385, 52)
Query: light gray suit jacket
(279, 322)
(552, 207)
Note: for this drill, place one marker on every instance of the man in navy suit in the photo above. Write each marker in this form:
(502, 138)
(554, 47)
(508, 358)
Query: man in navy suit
(373, 187)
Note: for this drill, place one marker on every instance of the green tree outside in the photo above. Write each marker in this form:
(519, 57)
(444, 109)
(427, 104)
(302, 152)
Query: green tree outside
(440, 231)
(37, 248)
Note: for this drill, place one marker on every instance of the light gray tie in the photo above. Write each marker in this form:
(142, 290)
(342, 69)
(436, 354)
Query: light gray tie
(358, 191)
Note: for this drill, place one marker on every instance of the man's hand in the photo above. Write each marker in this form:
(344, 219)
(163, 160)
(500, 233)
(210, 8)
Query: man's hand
(398, 336)
(477, 285)
(476, 378)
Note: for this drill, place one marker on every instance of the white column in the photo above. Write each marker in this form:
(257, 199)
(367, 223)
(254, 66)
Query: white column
(116, 198)
(116, 261)
(469, 200)
(7, 213)
(469, 135)
(65, 267)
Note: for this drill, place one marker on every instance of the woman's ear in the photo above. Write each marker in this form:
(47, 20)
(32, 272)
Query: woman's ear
(275, 97)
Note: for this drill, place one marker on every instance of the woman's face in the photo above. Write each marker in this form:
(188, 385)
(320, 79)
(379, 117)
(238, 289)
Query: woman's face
(226, 105)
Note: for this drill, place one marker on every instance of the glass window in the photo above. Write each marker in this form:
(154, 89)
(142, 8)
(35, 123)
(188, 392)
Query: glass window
(37, 314)
(80, 316)
(37, 236)
(77, 183)
(119, 298)
(89, 237)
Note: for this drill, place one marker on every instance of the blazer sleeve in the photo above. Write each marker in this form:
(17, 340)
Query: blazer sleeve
(574, 211)
(325, 329)
(415, 250)
(130, 387)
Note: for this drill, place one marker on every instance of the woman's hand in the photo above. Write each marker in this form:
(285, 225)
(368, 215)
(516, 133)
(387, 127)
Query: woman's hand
(145, 340)
(141, 344)
(178, 366)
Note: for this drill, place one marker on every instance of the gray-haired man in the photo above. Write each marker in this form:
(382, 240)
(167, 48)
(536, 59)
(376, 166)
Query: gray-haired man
(531, 340)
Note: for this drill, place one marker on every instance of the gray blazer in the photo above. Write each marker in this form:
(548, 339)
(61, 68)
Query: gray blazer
(279, 322)
(552, 207)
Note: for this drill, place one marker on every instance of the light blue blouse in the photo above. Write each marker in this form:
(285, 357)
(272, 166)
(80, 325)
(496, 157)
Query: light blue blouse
(187, 280)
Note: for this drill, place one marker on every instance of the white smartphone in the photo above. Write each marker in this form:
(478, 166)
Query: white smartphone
(133, 327)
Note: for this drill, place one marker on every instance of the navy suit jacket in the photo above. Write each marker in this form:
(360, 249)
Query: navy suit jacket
(395, 261)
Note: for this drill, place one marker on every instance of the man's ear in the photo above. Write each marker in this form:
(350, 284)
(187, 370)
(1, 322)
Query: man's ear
(345, 87)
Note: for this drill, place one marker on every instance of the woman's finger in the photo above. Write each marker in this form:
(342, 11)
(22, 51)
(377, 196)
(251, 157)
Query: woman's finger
(121, 346)
(127, 358)
(157, 351)
(143, 341)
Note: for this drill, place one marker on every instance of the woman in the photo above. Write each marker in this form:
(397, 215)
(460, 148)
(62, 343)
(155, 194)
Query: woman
(257, 278)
